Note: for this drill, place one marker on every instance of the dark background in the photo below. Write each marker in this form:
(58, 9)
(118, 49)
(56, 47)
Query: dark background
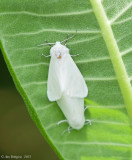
(18, 133)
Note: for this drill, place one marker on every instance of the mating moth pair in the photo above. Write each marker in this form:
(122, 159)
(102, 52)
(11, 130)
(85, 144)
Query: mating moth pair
(66, 85)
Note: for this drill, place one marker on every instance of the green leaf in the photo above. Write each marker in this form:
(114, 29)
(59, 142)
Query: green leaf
(103, 43)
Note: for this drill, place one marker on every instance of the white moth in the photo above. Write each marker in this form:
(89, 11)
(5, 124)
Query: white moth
(67, 86)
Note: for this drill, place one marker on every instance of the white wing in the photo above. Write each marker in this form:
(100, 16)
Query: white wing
(73, 109)
(75, 85)
(53, 86)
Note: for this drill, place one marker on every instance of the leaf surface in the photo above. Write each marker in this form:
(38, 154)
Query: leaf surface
(24, 25)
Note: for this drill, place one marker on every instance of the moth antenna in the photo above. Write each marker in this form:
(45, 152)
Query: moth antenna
(68, 38)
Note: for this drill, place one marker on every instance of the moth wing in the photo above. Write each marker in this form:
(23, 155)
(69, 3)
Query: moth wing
(75, 83)
(53, 85)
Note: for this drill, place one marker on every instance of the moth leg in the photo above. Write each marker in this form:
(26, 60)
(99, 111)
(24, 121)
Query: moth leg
(64, 131)
(47, 43)
(67, 130)
(46, 55)
(86, 108)
(87, 121)
(74, 55)
(65, 120)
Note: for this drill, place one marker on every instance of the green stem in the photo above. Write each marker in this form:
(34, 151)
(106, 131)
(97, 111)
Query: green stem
(115, 55)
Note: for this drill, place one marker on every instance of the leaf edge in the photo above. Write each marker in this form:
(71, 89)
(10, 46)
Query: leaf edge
(29, 106)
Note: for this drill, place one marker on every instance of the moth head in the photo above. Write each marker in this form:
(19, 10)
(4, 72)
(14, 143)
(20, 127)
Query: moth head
(59, 50)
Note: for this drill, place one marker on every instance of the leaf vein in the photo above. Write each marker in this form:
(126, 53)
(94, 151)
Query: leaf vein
(90, 31)
(95, 143)
(34, 83)
(31, 65)
(121, 13)
(47, 15)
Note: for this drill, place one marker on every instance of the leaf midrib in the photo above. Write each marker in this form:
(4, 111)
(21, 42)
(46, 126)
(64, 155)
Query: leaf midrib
(114, 53)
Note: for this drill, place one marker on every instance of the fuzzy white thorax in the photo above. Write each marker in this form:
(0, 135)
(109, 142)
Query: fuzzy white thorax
(59, 50)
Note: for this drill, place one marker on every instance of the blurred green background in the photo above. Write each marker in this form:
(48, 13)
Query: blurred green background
(18, 133)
